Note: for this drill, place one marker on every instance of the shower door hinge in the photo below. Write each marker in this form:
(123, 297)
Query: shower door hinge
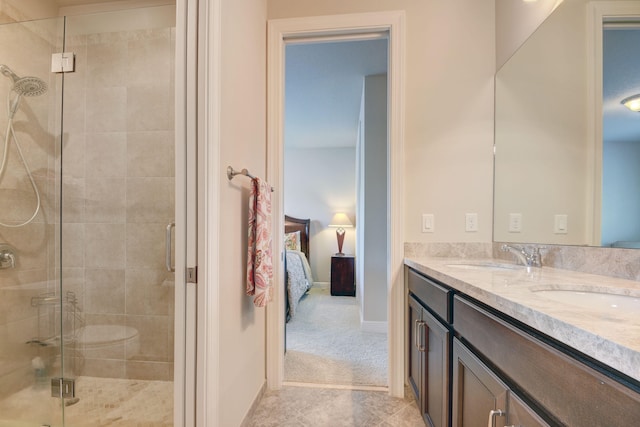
(64, 62)
(64, 388)
(192, 275)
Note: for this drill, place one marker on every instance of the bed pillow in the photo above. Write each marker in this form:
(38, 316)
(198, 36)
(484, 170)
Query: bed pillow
(292, 241)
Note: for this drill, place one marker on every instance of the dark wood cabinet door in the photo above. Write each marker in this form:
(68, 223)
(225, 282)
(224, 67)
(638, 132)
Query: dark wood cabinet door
(343, 281)
(429, 344)
(476, 391)
(435, 404)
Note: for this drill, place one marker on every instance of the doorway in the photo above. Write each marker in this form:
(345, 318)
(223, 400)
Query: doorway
(335, 162)
(341, 27)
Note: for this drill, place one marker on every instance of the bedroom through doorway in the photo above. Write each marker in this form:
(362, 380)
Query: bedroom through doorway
(336, 162)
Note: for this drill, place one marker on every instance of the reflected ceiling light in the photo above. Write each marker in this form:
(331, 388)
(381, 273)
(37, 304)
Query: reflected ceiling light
(632, 102)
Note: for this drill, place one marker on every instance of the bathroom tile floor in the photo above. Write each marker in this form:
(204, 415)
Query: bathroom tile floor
(294, 406)
(102, 402)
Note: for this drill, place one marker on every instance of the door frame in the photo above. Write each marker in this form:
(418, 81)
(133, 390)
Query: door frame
(279, 32)
(196, 353)
(597, 13)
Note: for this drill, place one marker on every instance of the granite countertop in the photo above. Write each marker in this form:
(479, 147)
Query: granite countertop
(609, 335)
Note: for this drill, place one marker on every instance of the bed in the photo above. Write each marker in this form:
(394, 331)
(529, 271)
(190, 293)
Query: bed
(298, 278)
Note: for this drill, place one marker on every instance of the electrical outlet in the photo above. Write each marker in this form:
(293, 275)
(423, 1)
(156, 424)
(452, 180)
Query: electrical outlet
(428, 223)
(560, 224)
(515, 222)
(471, 222)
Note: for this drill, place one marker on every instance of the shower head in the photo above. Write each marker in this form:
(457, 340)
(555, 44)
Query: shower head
(25, 86)
(30, 86)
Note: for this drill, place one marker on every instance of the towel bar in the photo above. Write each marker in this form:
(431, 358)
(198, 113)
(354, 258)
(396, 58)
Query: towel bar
(231, 173)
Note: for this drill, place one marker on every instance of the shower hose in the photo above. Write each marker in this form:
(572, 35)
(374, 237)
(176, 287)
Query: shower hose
(12, 107)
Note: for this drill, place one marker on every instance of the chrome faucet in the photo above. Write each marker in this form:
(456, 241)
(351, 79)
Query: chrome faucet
(7, 257)
(530, 259)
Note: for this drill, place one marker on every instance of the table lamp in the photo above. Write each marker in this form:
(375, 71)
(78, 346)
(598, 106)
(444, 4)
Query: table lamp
(341, 221)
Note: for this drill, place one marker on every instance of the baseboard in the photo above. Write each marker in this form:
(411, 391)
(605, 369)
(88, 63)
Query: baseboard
(371, 326)
(248, 418)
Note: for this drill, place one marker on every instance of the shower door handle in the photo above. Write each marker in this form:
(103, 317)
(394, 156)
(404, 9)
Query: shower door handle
(170, 267)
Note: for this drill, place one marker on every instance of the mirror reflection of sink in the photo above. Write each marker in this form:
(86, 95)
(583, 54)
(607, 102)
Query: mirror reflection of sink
(488, 265)
(593, 300)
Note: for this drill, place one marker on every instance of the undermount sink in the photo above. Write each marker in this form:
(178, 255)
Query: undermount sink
(486, 266)
(593, 299)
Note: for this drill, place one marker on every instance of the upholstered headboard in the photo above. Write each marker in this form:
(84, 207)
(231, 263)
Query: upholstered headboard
(291, 225)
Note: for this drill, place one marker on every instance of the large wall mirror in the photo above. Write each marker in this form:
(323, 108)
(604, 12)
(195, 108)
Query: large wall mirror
(567, 152)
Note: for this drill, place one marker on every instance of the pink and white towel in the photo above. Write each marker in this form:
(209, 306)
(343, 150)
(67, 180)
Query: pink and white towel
(259, 261)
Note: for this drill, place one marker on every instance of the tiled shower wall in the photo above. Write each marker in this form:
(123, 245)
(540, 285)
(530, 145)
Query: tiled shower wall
(118, 195)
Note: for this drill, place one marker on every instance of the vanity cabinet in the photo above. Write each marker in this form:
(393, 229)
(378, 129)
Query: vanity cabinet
(569, 391)
(467, 359)
(429, 348)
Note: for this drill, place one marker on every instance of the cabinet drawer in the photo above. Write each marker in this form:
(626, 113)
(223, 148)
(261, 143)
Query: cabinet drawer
(434, 295)
(574, 393)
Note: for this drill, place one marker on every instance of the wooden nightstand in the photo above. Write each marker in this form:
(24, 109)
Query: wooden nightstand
(343, 282)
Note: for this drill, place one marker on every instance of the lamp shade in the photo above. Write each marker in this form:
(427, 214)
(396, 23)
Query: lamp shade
(340, 220)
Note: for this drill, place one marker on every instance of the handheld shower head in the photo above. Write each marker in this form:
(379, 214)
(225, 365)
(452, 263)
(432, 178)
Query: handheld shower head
(25, 86)
(29, 86)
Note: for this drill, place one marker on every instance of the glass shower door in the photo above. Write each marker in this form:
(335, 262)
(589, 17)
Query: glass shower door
(30, 298)
(118, 198)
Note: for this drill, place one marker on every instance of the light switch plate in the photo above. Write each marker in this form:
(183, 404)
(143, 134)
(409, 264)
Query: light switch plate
(560, 224)
(515, 222)
(471, 222)
(428, 223)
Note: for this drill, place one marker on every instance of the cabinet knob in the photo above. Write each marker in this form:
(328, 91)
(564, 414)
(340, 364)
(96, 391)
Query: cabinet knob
(492, 416)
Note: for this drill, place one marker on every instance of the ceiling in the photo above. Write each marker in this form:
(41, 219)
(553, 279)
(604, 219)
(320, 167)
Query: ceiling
(621, 78)
(323, 90)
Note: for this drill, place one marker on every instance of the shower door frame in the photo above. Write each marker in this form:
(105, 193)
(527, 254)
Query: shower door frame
(188, 115)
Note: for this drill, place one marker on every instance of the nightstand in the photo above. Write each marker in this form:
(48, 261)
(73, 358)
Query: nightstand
(343, 282)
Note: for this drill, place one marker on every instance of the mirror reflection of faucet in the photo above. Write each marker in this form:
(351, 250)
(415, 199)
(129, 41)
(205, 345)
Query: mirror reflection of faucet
(7, 256)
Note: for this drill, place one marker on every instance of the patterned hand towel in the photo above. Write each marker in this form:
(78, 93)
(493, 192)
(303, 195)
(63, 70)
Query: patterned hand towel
(259, 262)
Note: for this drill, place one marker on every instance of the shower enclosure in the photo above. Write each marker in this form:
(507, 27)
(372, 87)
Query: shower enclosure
(87, 199)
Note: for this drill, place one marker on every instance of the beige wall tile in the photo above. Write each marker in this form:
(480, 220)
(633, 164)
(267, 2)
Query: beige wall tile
(153, 337)
(105, 109)
(146, 245)
(151, 153)
(150, 200)
(73, 245)
(107, 368)
(105, 200)
(106, 154)
(107, 64)
(104, 291)
(105, 246)
(73, 199)
(73, 158)
(145, 292)
(162, 371)
(150, 59)
(149, 107)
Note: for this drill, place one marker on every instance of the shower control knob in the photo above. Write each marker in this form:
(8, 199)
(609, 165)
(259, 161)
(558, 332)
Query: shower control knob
(7, 257)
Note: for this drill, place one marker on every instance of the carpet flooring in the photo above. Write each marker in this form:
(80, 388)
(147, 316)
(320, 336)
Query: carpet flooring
(325, 344)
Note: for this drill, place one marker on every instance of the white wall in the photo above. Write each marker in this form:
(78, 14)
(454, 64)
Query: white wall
(450, 62)
(318, 183)
(243, 129)
(515, 21)
(374, 212)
